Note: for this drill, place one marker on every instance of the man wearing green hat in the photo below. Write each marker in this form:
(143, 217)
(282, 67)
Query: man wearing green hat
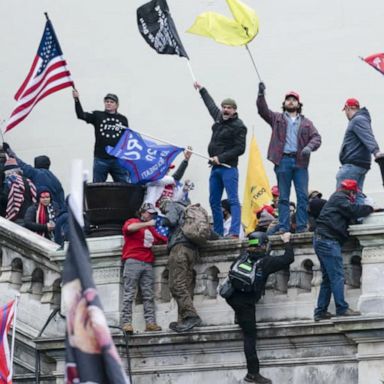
(244, 301)
(227, 143)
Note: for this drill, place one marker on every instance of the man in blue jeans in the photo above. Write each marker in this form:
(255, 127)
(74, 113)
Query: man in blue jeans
(359, 144)
(293, 139)
(227, 143)
(330, 234)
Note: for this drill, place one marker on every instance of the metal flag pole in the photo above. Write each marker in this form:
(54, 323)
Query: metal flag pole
(167, 142)
(17, 296)
(253, 62)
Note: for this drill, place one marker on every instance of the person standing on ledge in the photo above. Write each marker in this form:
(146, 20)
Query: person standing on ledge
(227, 143)
(293, 139)
(109, 126)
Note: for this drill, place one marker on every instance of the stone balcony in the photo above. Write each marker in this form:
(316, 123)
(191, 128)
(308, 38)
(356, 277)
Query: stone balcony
(293, 349)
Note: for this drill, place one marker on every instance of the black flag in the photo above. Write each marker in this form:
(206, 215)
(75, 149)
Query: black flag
(91, 356)
(158, 29)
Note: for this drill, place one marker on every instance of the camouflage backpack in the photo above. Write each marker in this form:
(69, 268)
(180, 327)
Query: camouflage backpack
(196, 227)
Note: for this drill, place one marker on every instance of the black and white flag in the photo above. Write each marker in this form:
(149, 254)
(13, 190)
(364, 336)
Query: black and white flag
(158, 29)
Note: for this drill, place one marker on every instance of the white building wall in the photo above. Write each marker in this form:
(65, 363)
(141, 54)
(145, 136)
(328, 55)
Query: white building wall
(308, 46)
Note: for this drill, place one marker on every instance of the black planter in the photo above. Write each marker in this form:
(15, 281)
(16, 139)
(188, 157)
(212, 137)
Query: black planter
(380, 161)
(108, 205)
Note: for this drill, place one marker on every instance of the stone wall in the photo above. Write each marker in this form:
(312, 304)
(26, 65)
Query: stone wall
(293, 348)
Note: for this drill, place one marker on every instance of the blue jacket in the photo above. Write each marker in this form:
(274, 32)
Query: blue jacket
(359, 142)
(44, 177)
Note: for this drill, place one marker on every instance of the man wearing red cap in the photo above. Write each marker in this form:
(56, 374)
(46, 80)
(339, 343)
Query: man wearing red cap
(358, 145)
(293, 139)
(331, 232)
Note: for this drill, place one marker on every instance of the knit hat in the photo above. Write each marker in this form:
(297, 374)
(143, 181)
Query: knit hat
(11, 163)
(111, 96)
(230, 102)
(148, 207)
(41, 189)
(275, 190)
(314, 193)
(42, 162)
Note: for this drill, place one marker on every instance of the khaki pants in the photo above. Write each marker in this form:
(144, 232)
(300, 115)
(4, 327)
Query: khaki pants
(181, 282)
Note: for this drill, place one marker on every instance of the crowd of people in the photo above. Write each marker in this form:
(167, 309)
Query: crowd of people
(32, 196)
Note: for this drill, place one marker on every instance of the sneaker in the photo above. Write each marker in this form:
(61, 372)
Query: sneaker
(257, 378)
(127, 327)
(152, 327)
(349, 312)
(186, 324)
(173, 325)
(322, 316)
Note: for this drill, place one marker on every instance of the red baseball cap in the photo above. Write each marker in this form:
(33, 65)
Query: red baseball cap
(350, 185)
(275, 190)
(351, 103)
(267, 208)
(294, 94)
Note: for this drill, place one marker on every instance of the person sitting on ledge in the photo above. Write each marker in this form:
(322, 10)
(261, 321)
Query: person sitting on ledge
(41, 217)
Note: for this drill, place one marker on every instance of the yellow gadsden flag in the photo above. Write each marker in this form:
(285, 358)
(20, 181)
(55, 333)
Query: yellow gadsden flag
(238, 31)
(257, 191)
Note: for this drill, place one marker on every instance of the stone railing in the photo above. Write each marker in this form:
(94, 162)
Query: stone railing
(32, 266)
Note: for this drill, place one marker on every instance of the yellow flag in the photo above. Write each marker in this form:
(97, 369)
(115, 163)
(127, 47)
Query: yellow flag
(238, 31)
(257, 191)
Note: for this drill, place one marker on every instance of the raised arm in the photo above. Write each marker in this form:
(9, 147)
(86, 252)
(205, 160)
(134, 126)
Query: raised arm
(213, 109)
(262, 106)
(88, 117)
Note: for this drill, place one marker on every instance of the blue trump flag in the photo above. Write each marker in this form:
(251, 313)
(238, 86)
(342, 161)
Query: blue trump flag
(144, 159)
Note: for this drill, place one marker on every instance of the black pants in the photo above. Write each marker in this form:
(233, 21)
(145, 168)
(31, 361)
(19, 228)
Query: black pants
(245, 308)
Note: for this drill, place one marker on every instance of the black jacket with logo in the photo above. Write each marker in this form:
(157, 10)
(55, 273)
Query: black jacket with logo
(108, 128)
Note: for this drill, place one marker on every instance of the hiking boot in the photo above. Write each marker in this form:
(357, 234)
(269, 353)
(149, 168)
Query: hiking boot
(152, 327)
(127, 327)
(322, 316)
(186, 324)
(256, 378)
(173, 325)
(349, 312)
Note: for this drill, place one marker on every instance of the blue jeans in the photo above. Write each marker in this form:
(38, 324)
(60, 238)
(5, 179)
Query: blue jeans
(331, 261)
(224, 178)
(350, 171)
(101, 168)
(286, 172)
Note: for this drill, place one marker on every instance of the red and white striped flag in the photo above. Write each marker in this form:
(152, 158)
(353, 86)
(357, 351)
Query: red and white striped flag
(47, 75)
(6, 317)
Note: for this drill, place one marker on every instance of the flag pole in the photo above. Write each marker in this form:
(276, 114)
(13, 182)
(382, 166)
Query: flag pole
(17, 296)
(253, 62)
(167, 142)
(191, 71)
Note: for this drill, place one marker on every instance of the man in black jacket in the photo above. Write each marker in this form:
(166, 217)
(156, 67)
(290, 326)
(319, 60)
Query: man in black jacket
(109, 126)
(244, 303)
(227, 143)
(331, 232)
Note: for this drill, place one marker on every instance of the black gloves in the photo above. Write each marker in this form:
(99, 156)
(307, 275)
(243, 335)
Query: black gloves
(261, 89)
(306, 152)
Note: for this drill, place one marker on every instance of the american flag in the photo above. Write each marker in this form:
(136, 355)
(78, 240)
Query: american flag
(6, 317)
(47, 75)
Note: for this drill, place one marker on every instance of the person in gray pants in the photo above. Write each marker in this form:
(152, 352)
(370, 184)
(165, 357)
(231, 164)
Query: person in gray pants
(139, 236)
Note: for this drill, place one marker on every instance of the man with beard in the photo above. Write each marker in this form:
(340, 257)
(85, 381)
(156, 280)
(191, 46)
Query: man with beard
(109, 126)
(293, 139)
(226, 145)
(358, 146)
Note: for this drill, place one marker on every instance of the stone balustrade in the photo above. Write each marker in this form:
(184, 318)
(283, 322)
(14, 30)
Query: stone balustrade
(32, 266)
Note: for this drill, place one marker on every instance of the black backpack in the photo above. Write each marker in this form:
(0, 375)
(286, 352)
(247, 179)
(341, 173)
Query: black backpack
(246, 275)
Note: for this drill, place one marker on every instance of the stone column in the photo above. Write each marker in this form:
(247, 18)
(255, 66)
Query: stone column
(371, 237)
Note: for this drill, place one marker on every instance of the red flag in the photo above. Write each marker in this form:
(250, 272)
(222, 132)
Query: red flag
(47, 75)
(6, 317)
(376, 61)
